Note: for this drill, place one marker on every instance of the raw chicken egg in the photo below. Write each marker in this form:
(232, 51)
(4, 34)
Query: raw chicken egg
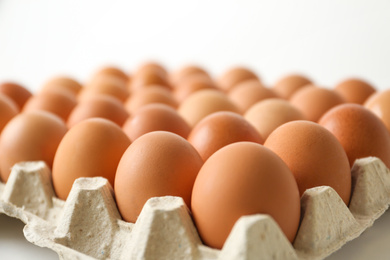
(8, 109)
(379, 104)
(152, 66)
(64, 83)
(220, 129)
(241, 179)
(32, 136)
(288, 85)
(354, 90)
(108, 85)
(360, 132)
(235, 75)
(91, 148)
(149, 77)
(187, 71)
(314, 156)
(111, 71)
(156, 164)
(155, 117)
(191, 84)
(16, 92)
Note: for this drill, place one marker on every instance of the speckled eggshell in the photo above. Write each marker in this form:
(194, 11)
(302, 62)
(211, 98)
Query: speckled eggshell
(220, 129)
(156, 164)
(360, 132)
(91, 148)
(241, 179)
(314, 156)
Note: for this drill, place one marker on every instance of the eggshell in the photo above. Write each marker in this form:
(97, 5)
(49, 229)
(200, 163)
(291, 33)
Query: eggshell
(112, 71)
(355, 90)
(157, 164)
(204, 102)
(288, 85)
(269, 114)
(360, 132)
(313, 101)
(149, 95)
(314, 156)
(155, 117)
(187, 71)
(149, 77)
(64, 83)
(152, 66)
(90, 149)
(108, 85)
(249, 92)
(16, 92)
(240, 179)
(57, 101)
(30, 136)
(102, 106)
(191, 84)
(235, 75)
(8, 109)
(220, 129)
(379, 104)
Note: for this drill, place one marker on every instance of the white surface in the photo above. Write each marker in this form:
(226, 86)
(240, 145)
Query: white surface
(327, 40)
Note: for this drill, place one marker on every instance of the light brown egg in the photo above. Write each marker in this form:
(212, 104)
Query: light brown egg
(57, 101)
(187, 71)
(288, 85)
(149, 77)
(204, 102)
(191, 84)
(354, 90)
(102, 106)
(220, 129)
(313, 101)
(90, 149)
(235, 75)
(107, 85)
(249, 92)
(156, 164)
(379, 104)
(149, 95)
(112, 71)
(64, 83)
(151, 66)
(241, 179)
(16, 92)
(360, 132)
(155, 117)
(32, 136)
(8, 109)
(269, 114)
(314, 156)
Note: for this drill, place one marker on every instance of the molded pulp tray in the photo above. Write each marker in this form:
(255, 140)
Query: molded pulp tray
(88, 225)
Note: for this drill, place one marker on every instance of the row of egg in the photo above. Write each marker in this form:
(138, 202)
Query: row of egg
(229, 148)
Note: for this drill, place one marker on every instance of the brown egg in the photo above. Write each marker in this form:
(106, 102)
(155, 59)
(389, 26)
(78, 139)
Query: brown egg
(149, 77)
(8, 109)
(360, 132)
(288, 85)
(220, 129)
(107, 85)
(155, 117)
(354, 90)
(149, 95)
(152, 66)
(269, 114)
(204, 102)
(243, 179)
(313, 101)
(156, 164)
(314, 156)
(187, 71)
(57, 101)
(64, 83)
(379, 104)
(249, 92)
(233, 76)
(111, 71)
(191, 84)
(32, 136)
(102, 106)
(90, 149)
(16, 92)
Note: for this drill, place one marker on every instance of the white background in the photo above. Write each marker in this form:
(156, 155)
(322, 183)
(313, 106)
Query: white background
(326, 40)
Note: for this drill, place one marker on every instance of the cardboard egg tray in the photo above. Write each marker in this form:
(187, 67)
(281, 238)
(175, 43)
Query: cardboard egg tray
(88, 225)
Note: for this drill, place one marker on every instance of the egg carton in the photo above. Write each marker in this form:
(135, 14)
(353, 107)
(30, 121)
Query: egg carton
(88, 225)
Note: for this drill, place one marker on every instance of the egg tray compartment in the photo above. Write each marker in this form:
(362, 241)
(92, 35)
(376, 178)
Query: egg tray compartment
(88, 225)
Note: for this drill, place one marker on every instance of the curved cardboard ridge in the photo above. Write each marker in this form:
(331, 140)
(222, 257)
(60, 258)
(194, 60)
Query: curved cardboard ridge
(88, 225)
